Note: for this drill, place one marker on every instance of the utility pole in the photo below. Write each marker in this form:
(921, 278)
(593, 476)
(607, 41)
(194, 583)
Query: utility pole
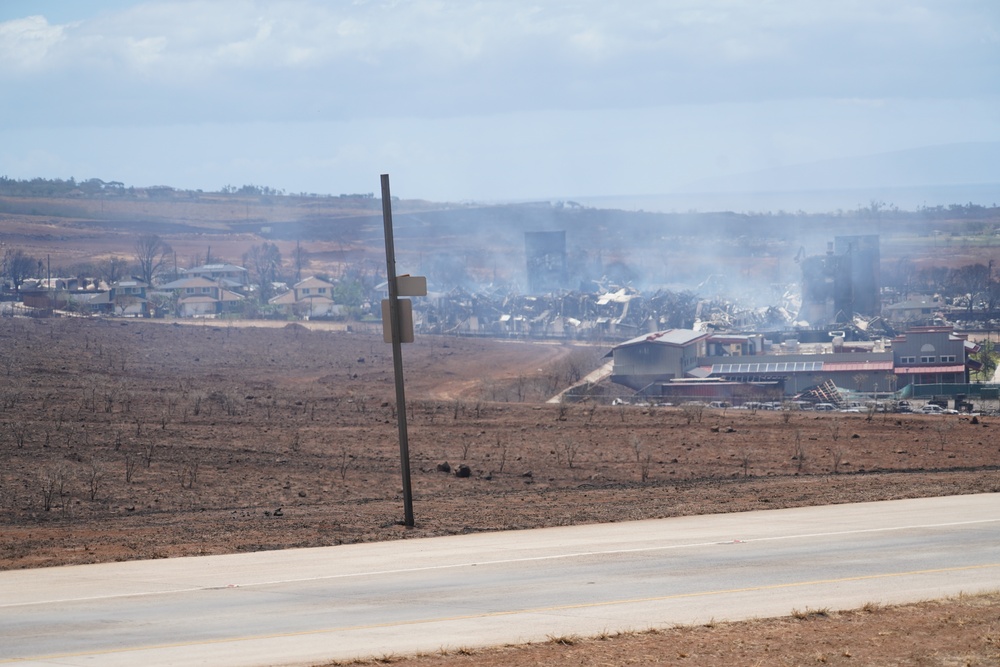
(397, 334)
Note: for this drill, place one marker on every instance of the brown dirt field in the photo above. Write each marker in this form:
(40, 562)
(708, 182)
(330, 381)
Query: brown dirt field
(963, 631)
(125, 439)
(68, 232)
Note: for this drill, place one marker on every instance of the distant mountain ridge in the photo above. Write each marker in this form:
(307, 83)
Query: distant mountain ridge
(909, 179)
(945, 165)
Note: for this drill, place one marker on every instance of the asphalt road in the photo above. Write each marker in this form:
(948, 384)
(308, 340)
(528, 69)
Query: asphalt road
(307, 606)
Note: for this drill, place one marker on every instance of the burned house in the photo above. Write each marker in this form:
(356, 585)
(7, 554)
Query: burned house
(919, 309)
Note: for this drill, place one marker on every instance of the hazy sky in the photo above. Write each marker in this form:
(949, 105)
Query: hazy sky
(484, 100)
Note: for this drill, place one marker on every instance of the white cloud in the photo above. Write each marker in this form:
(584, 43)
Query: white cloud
(519, 95)
(26, 43)
(645, 52)
(146, 52)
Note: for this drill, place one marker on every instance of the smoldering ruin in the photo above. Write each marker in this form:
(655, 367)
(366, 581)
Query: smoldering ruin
(577, 287)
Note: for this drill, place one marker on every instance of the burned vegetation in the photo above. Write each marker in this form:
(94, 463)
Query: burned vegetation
(138, 439)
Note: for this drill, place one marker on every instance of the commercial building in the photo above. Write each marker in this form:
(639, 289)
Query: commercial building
(655, 364)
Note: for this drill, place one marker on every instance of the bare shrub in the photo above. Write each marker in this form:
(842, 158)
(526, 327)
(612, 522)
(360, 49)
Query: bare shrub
(345, 461)
(125, 399)
(644, 467)
(693, 411)
(131, 463)
(746, 458)
(147, 454)
(232, 405)
(942, 429)
(9, 398)
(520, 385)
(636, 445)
(110, 398)
(800, 452)
(838, 454)
(189, 474)
(571, 449)
(19, 432)
(488, 389)
(9, 364)
(94, 479)
(503, 454)
(51, 482)
(229, 403)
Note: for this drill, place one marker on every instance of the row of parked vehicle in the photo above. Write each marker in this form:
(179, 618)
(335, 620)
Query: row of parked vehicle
(879, 406)
(778, 405)
(929, 409)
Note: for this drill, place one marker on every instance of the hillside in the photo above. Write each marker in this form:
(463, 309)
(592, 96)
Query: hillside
(471, 244)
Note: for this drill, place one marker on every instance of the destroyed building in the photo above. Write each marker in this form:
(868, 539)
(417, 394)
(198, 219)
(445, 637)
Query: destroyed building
(842, 283)
(546, 260)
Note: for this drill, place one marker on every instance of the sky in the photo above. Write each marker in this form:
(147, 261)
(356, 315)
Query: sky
(491, 100)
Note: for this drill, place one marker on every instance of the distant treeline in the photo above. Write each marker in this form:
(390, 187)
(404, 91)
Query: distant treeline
(960, 211)
(57, 187)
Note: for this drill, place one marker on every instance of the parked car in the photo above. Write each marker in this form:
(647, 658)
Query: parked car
(825, 407)
(931, 409)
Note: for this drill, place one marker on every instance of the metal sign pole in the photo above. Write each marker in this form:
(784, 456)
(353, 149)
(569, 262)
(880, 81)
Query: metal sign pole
(397, 352)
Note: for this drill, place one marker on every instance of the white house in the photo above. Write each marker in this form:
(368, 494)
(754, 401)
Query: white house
(311, 297)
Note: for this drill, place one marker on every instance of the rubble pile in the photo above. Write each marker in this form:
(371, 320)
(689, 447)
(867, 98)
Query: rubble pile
(610, 312)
